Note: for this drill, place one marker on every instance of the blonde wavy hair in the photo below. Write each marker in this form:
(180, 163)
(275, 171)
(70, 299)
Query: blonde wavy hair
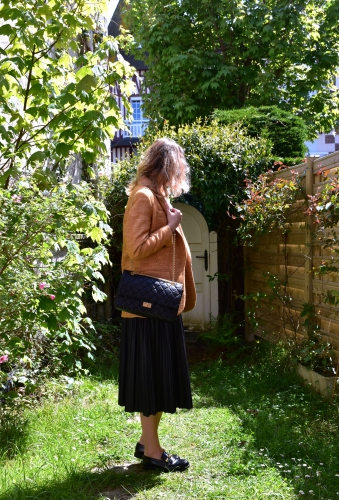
(165, 165)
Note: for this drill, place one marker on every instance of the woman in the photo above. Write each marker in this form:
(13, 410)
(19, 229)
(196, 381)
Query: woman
(154, 374)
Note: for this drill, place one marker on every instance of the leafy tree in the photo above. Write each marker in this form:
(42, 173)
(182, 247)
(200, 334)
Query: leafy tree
(57, 105)
(207, 54)
(56, 95)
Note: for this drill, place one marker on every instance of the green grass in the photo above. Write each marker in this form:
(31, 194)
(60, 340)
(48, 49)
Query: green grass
(254, 433)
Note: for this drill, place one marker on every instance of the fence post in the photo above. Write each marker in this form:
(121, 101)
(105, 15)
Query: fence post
(308, 292)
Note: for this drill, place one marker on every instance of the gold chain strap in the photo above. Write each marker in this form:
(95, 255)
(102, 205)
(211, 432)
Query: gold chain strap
(173, 275)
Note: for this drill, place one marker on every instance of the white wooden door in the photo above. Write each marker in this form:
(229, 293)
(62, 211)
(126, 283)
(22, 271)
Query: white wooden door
(203, 245)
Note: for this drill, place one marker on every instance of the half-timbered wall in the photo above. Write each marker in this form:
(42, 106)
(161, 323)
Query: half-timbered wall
(138, 80)
(291, 258)
(123, 141)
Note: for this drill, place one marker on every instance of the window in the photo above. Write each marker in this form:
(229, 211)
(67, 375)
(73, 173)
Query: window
(139, 123)
(329, 139)
(137, 112)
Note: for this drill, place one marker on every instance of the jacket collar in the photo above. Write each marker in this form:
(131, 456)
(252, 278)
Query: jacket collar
(145, 181)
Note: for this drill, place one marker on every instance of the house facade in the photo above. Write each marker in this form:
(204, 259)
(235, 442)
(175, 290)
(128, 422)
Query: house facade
(124, 141)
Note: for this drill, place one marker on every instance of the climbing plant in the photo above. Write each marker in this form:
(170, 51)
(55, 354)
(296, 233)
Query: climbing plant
(270, 205)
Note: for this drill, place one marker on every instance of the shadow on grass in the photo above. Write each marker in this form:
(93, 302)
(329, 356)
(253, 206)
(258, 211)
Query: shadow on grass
(293, 429)
(13, 424)
(117, 482)
(287, 428)
(106, 369)
(13, 433)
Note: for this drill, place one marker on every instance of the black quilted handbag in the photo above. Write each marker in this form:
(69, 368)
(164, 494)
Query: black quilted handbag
(149, 296)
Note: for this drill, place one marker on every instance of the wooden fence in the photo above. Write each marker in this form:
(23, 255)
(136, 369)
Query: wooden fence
(289, 259)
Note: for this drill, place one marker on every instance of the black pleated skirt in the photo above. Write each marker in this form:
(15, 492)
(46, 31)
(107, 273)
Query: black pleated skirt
(153, 372)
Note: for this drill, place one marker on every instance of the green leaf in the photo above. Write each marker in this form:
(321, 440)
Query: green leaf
(64, 314)
(74, 46)
(62, 149)
(84, 71)
(14, 341)
(96, 234)
(38, 156)
(88, 208)
(98, 295)
(6, 30)
(46, 303)
(12, 394)
(98, 276)
(52, 322)
(46, 11)
(38, 89)
(86, 84)
(67, 98)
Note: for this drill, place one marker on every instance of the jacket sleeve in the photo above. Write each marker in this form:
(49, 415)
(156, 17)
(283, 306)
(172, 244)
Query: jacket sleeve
(140, 243)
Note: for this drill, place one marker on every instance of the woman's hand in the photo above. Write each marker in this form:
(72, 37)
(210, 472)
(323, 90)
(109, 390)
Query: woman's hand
(174, 216)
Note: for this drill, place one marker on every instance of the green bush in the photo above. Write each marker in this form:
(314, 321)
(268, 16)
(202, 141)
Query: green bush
(51, 253)
(221, 158)
(113, 193)
(287, 131)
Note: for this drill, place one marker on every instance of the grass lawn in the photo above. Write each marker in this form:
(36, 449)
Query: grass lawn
(254, 433)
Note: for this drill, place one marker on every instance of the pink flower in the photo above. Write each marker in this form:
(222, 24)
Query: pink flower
(42, 285)
(52, 297)
(16, 198)
(3, 359)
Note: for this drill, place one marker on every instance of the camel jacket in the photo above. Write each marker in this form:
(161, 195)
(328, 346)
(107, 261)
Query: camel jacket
(148, 243)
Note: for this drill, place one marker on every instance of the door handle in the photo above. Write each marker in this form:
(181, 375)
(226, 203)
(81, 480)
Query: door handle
(205, 257)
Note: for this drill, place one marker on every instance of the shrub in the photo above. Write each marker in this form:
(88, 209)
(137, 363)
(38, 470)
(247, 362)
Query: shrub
(268, 203)
(223, 332)
(221, 158)
(113, 193)
(287, 131)
(51, 251)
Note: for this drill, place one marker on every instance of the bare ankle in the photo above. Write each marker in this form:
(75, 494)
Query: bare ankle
(153, 452)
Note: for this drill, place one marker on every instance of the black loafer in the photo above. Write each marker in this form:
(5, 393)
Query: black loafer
(139, 450)
(167, 463)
